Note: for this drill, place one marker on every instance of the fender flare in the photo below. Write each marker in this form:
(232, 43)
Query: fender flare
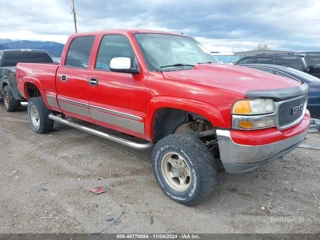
(16, 94)
(5, 82)
(210, 112)
(35, 82)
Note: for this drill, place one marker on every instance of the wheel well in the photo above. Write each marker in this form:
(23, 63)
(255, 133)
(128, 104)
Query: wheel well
(3, 85)
(168, 120)
(32, 90)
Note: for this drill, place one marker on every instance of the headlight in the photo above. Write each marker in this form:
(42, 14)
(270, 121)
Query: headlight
(254, 114)
(254, 107)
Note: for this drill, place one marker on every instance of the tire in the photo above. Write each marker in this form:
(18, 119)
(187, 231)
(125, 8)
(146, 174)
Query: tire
(193, 173)
(38, 115)
(9, 102)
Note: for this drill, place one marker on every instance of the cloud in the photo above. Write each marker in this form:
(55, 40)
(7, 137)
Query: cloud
(221, 25)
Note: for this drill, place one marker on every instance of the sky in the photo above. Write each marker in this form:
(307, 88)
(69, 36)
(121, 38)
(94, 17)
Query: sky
(220, 25)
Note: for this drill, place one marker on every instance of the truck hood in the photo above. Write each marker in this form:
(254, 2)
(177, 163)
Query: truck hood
(231, 77)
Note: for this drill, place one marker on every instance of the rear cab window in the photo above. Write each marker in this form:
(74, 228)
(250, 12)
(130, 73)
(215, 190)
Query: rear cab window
(42, 57)
(12, 58)
(79, 52)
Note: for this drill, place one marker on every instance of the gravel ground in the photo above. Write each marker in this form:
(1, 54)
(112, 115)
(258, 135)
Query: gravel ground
(45, 182)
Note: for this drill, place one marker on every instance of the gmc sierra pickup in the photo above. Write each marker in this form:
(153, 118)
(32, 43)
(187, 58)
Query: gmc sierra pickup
(9, 58)
(168, 90)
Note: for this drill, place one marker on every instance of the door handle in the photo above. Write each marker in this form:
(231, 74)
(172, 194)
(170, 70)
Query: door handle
(93, 82)
(64, 78)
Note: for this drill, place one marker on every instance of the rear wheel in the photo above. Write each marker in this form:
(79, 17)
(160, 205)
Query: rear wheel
(10, 103)
(38, 115)
(184, 168)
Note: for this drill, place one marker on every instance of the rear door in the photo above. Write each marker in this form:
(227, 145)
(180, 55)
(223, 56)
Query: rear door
(72, 79)
(117, 100)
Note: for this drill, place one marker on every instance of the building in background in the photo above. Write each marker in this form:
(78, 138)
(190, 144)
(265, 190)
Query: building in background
(225, 57)
(255, 52)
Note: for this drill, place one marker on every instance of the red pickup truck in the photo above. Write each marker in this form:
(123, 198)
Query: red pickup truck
(167, 89)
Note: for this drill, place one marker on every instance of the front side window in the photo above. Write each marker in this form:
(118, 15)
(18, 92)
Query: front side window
(112, 46)
(79, 52)
(162, 51)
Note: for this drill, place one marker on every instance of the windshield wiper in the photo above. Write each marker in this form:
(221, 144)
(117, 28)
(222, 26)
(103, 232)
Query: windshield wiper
(205, 62)
(177, 65)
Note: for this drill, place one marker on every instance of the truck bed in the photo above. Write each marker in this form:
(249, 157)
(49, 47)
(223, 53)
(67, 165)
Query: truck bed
(34, 72)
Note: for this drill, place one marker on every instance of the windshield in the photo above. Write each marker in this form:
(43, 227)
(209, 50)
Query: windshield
(171, 52)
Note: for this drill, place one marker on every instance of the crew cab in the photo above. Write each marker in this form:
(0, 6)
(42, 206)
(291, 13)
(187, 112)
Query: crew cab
(168, 90)
(9, 58)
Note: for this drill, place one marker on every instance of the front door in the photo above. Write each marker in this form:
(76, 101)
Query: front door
(117, 100)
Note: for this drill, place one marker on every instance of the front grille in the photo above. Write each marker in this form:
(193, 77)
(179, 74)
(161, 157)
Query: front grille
(286, 111)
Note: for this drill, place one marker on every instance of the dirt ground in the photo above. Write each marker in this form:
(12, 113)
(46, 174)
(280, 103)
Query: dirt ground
(45, 182)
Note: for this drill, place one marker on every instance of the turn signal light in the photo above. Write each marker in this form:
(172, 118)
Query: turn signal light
(246, 124)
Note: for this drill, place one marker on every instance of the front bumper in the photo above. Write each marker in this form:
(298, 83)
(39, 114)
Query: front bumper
(239, 158)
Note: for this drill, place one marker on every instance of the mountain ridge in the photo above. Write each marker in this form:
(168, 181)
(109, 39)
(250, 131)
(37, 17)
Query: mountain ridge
(53, 48)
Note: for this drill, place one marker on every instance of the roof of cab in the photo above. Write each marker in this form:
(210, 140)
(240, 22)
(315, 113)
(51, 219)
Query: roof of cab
(125, 31)
(23, 50)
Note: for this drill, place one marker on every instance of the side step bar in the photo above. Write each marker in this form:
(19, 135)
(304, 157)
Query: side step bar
(139, 146)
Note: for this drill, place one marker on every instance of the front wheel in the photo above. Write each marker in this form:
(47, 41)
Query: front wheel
(38, 115)
(184, 168)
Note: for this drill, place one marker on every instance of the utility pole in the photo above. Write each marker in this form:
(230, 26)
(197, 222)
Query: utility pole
(74, 17)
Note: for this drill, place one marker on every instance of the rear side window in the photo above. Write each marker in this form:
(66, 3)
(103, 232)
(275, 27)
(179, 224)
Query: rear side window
(290, 61)
(79, 52)
(266, 60)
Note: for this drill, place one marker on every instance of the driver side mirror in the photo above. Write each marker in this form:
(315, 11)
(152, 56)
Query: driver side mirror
(123, 64)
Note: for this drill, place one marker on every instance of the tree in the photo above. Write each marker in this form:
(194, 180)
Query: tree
(261, 46)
